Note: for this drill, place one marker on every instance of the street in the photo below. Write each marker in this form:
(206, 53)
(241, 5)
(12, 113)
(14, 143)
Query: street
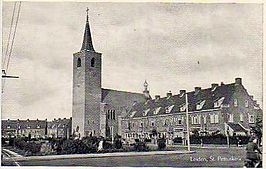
(210, 157)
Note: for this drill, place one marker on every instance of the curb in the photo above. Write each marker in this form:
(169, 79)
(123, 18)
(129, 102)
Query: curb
(12, 153)
(73, 156)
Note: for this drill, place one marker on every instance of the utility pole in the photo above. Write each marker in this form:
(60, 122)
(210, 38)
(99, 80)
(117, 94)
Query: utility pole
(188, 131)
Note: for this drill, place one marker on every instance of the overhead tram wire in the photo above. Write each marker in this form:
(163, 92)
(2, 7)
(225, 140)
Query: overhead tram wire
(9, 36)
(13, 40)
(12, 44)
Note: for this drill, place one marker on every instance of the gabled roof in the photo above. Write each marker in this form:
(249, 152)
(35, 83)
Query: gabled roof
(209, 95)
(121, 98)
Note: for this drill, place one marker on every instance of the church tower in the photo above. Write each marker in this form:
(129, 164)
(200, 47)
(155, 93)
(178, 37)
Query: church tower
(86, 87)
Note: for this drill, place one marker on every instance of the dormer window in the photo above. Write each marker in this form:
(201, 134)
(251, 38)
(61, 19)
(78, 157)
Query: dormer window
(156, 111)
(168, 109)
(8, 127)
(246, 103)
(28, 127)
(241, 117)
(183, 107)
(235, 102)
(38, 126)
(200, 105)
(146, 112)
(79, 62)
(133, 114)
(218, 103)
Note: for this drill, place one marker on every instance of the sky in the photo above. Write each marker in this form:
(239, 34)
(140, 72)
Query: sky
(173, 46)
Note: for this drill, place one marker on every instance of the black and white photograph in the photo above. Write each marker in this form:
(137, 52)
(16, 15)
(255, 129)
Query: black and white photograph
(132, 84)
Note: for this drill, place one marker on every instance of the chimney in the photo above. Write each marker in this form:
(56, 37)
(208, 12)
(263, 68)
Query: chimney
(238, 81)
(252, 97)
(214, 85)
(169, 94)
(182, 92)
(197, 89)
(222, 83)
(157, 97)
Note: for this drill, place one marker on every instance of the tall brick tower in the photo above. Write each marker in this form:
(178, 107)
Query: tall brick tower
(86, 87)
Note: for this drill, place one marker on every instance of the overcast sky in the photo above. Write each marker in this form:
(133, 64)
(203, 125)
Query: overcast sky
(159, 42)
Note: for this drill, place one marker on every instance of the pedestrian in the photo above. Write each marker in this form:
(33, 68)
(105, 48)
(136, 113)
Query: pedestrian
(253, 150)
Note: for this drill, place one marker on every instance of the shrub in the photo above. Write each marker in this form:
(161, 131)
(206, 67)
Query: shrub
(140, 146)
(177, 140)
(161, 143)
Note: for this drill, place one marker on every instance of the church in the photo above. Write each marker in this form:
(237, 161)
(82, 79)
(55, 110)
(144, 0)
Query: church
(96, 110)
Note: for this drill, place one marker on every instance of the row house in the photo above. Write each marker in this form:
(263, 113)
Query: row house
(226, 108)
(59, 128)
(33, 128)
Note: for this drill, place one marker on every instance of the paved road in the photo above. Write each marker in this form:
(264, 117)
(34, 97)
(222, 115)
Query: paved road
(202, 158)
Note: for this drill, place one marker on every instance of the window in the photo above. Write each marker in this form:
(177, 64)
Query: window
(166, 122)
(251, 118)
(152, 123)
(108, 114)
(179, 121)
(235, 102)
(219, 102)
(183, 107)
(133, 113)
(79, 62)
(168, 109)
(231, 118)
(205, 119)
(113, 114)
(200, 105)
(241, 117)
(146, 112)
(92, 62)
(141, 124)
(246, 103)
(156, 111)
(212, 118)
(216, 118)
(8, 127)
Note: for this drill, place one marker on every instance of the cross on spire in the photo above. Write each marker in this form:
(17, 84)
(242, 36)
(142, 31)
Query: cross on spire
(87, 11)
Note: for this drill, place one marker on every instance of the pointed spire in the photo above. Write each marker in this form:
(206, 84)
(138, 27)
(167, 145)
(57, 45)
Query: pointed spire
(87, 39)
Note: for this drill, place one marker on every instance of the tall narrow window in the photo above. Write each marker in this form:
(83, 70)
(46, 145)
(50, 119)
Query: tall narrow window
(79, 62)
(92, 62)
(235, 102)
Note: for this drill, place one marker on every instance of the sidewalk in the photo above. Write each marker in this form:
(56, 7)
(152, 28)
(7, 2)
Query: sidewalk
(103, 155)
(205, 146)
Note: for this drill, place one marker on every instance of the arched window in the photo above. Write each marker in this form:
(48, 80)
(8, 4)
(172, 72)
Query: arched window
(92, 62)
(79, 62)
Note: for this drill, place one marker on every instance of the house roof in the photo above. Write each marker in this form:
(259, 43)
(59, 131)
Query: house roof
(236, 127)
(59, 123)
(121, 98)
(23, 124)
(209, 95)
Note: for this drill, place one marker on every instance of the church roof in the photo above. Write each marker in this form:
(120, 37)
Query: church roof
(121, 98)
(204, 99)
(87, 38)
